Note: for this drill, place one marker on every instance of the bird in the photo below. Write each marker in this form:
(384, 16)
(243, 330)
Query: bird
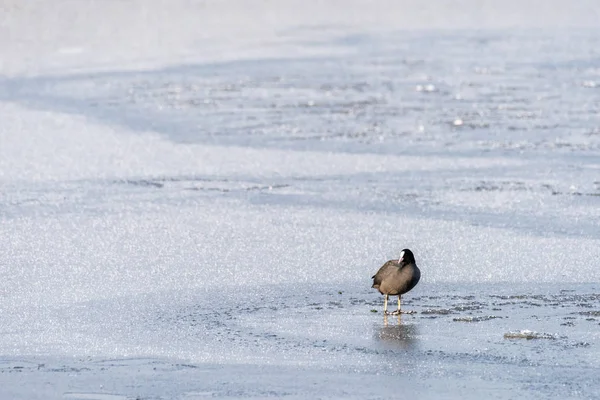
(397, 277)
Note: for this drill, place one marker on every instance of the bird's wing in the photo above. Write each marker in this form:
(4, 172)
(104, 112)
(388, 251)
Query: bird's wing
(378, 277)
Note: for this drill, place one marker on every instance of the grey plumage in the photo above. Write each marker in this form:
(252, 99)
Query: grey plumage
(397, 277)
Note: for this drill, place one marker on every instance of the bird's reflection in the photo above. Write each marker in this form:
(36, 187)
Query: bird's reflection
(396, 334)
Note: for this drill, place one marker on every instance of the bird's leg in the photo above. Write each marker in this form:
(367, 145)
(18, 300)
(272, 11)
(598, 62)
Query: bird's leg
(385, 300)
(397, 312)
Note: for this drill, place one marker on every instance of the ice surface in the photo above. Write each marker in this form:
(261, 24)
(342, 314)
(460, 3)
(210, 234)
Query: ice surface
(193, 196)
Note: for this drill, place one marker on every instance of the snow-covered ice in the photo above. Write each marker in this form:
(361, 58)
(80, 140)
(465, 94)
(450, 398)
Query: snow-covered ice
(194, 195)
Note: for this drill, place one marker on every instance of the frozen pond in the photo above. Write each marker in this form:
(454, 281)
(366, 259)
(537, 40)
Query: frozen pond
(196, 211)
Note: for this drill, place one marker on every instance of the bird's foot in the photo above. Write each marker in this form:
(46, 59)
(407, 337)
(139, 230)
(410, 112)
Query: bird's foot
(398, 312)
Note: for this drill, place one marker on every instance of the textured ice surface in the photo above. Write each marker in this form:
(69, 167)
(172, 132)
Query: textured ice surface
(194, 195)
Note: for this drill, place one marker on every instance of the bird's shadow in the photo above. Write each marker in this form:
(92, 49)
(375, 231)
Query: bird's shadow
(396, 334)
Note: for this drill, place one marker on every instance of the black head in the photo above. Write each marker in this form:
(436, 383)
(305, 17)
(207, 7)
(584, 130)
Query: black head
(406, 257)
